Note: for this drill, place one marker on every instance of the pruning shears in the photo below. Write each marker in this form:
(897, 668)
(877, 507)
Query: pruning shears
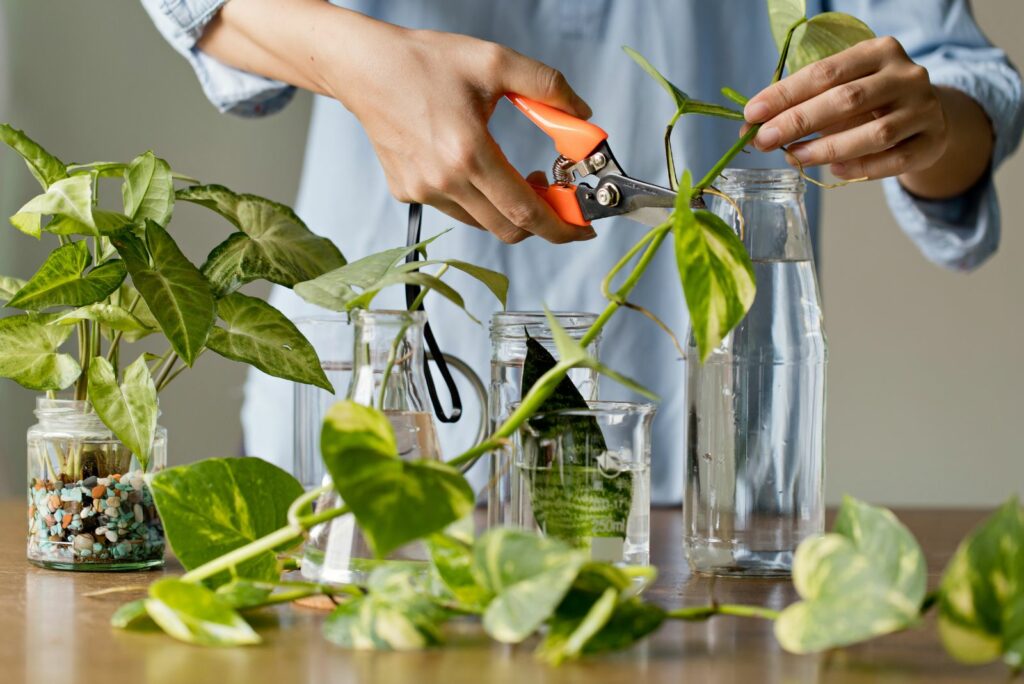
(583, 151)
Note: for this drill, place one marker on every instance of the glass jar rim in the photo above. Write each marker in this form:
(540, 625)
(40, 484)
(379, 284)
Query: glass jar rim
(509, 323)
(599, 407)
(737, 181)
(389, 315)
(57, 408)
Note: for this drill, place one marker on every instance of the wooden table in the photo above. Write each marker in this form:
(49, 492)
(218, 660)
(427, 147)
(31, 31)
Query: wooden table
(50, 633)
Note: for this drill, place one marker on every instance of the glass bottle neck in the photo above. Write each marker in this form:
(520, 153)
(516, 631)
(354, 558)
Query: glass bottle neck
(388, 361)
(771, 202)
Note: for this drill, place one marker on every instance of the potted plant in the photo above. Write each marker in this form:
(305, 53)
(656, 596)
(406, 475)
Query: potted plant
(114, 278)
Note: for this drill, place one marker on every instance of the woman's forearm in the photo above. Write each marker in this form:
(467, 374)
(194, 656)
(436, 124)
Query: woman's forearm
(286, 39)
(969, 143)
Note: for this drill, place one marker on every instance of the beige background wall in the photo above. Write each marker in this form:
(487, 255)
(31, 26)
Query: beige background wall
(924, 403)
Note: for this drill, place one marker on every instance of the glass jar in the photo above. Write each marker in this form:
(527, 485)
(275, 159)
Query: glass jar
(755, 427)
(89, 507)
(584, 476)
(388, 374)
(509, 330)
(331, 337)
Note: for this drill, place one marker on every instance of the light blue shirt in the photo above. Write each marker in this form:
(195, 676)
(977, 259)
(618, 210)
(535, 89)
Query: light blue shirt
(701, 46)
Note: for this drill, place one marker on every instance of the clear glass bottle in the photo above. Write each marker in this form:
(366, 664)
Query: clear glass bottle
(755, 423)
(387, 373)
(509, 330)
(89, 507)
(584, 476)
(331, 337)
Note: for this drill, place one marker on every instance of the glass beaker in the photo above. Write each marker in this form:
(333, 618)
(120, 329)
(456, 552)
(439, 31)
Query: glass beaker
(387, 373)
(331, 337)
(755, 424)
(509, 330)
(584, 476)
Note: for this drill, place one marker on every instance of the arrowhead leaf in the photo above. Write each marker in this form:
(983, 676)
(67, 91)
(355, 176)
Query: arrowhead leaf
(29, 352)
(148, 189)
(130, 411)
(60, 280)
(258, 334)
(45, 167)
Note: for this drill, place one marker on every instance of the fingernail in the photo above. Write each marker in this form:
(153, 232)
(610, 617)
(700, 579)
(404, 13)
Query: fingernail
(583, 108)
(802, 154)
(755, 112)
(838, 169)
(767, 137)
(589, 234)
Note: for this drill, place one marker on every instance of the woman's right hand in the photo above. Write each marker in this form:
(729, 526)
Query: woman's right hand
(423, 97)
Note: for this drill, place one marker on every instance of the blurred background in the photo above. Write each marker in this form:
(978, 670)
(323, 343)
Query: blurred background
(926, 366)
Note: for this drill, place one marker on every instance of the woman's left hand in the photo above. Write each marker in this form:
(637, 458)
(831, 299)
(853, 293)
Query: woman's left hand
(876, 111)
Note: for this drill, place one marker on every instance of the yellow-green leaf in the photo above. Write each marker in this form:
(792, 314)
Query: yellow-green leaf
(62, 281)
(129, 410)
(29, 352)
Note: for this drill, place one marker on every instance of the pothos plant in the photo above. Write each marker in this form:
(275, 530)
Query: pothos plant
(865, 578)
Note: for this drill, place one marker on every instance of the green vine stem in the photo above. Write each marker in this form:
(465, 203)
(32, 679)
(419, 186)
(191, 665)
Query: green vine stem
(704, 612)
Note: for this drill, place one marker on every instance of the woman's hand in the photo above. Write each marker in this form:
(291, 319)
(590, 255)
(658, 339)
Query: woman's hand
(423, 97)
(878, 115)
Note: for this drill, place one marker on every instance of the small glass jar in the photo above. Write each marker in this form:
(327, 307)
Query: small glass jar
(509, 330)
(89, 507)
(584, 476)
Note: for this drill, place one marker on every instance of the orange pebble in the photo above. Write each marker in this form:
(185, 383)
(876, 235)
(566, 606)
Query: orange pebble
(37, 485)
(116, 477)
(98, 491)
(54, 502)
(66, 521)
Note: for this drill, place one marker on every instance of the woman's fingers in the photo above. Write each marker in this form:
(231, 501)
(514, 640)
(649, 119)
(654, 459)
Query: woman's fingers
(827, 109)
(860, 60)
(871, 137)
(912, 154)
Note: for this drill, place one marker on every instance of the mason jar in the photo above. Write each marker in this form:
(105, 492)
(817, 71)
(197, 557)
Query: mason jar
(89, 507)
(509, 333)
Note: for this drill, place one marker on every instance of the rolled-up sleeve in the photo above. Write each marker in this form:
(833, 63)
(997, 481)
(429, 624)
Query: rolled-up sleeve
(181, 22)
(941, 35)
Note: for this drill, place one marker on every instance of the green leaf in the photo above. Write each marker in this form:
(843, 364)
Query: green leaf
(177, 293)
(496, 282)
(148, 189)
(29, 353)
(572, 352)
(196, 615)
(629, 622)
(131, 615)
(30, 224)
(716, 273)
(258, 334)
(274, 244)
(678, 96)
(9, 285)
(45, 167)
(529, 575)
(824, 35)
(130, 411)
(335, 289)
(245, 593)
(60, 280)
(782, 14)
(981, 601)
(109, 315)
(396, 615)
(866, 578)
(105, 223)
(130, 299)
(424, 280)
(452, 562)
(70, 197)
(215, 506)
(394, 501)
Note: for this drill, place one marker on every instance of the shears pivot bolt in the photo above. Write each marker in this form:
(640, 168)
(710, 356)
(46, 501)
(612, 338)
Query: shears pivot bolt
(608, 195)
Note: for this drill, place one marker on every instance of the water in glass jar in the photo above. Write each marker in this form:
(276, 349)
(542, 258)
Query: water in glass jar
(755, 424)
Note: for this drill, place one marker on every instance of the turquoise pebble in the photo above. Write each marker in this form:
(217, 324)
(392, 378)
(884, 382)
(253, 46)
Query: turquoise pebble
(97, 546)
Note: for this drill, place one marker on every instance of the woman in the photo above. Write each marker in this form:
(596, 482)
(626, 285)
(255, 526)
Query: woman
(406, 89)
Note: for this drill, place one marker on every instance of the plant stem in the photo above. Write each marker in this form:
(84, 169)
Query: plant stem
(704, 612)
(84, 356)
(167, 366)
(280, 537)
(670, 159)
(742, 142)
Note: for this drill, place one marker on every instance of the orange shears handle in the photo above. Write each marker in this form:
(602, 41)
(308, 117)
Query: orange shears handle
(574, 138)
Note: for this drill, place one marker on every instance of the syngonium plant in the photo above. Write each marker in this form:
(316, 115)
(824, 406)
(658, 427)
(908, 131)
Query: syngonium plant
(864, 579)
(116, 277)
